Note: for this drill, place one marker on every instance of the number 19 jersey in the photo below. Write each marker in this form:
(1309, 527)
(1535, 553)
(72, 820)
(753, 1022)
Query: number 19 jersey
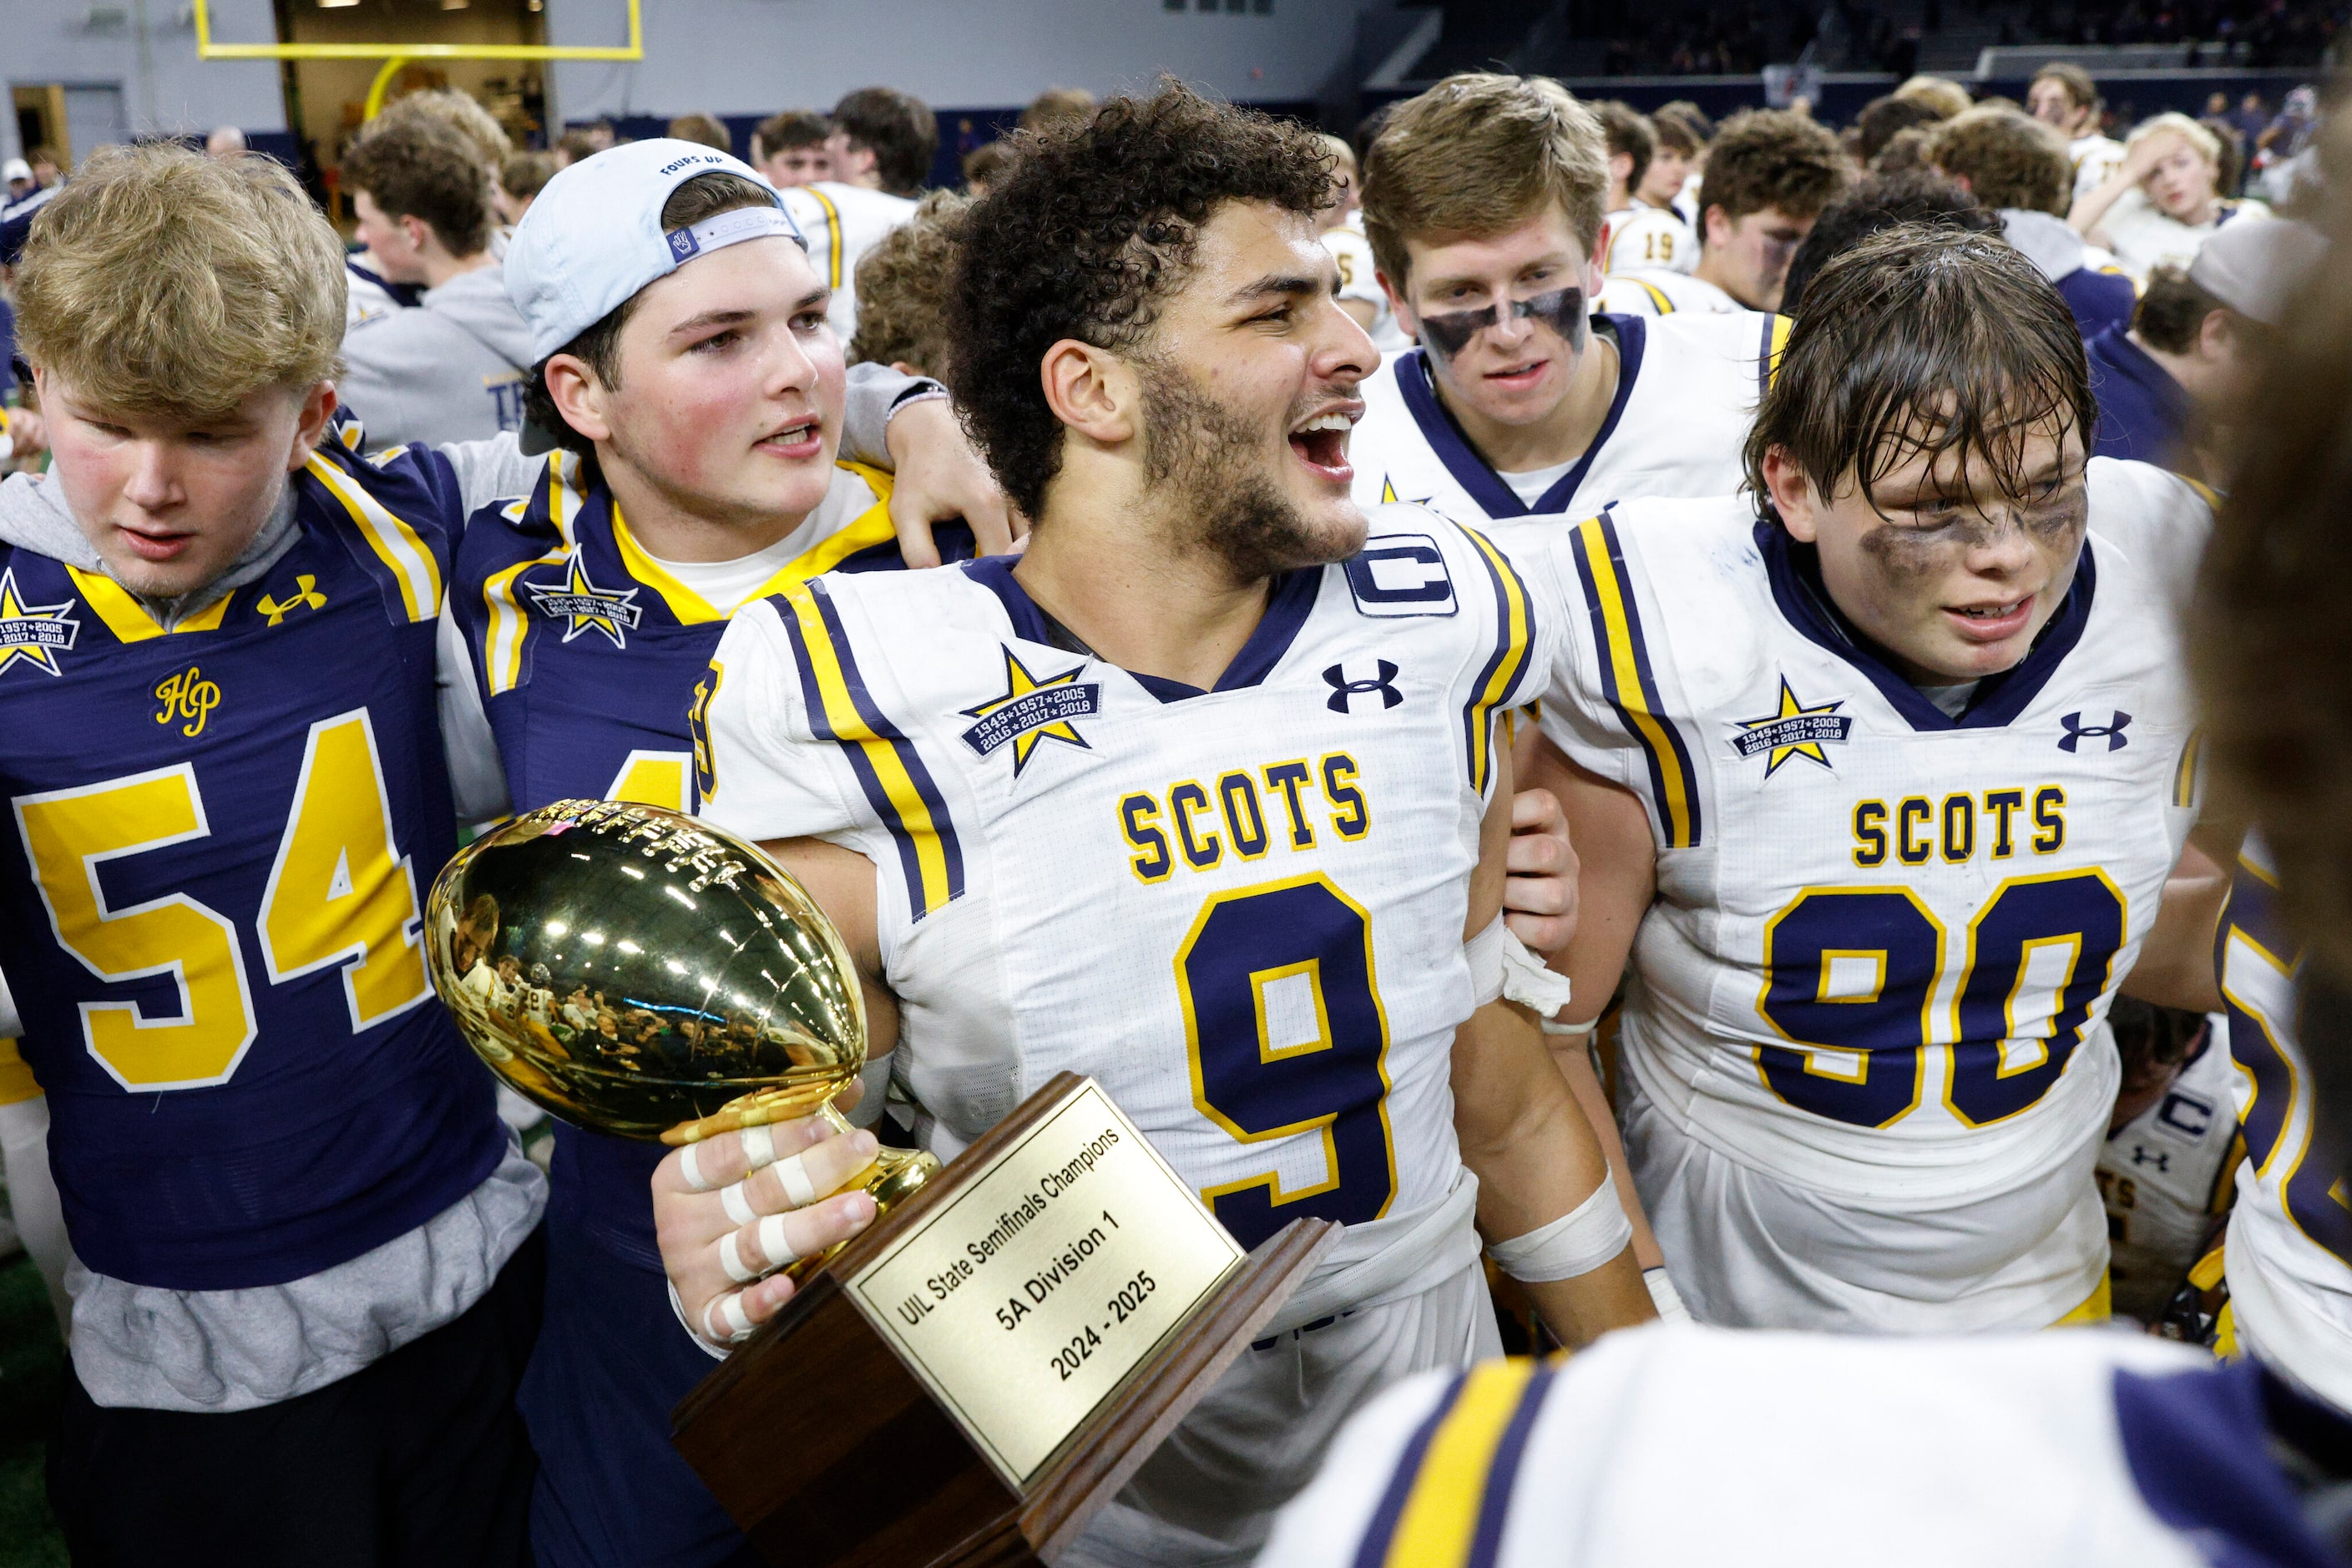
(1240, 910)
(1883, 937)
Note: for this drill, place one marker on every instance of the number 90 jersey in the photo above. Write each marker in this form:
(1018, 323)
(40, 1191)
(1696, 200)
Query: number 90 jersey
(1885, 939)
(1240, 910)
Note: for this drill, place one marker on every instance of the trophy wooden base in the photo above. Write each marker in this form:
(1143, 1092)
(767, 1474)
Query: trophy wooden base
(831, 1439)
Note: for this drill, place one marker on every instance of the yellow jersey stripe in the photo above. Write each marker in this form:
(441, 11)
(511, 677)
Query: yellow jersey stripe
(1629, 686)
(1775, 343)
(396, 544)
(17, 1083)
(870, 527)
(1439, 1525)
(2184, 773)
(832, 236)
(885, 762)
(127, 619)
(1516, 633)
(1657, 296)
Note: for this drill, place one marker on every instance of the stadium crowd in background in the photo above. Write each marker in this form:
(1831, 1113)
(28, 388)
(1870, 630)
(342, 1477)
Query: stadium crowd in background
(1802, 379)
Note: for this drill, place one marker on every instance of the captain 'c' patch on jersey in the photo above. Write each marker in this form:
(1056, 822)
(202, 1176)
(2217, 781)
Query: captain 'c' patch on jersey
(1400, 574)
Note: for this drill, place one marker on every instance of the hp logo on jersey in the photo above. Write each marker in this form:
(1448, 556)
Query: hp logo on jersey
(1344, 691)
(2112, 732)
(1400, 574)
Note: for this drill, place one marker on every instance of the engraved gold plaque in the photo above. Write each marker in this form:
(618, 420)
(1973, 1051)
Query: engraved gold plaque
(1023, 1300)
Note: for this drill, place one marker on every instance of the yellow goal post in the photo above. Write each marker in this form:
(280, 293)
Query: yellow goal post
(395, 56)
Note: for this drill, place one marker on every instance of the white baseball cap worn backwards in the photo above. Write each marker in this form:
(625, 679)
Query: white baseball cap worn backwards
(594, 237)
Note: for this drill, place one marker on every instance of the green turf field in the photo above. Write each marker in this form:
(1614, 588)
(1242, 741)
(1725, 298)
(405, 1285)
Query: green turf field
(32, 1358)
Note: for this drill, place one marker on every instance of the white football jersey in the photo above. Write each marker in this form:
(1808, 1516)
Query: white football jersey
(1687, 392)
(1651, 237)
(1885, 939)
(1682, 1447)
(1359, 280)
(2288, 1257)
(1655, 291)
(1241, 910)
(2163, 1175)
(842, 222)
(2096, 159)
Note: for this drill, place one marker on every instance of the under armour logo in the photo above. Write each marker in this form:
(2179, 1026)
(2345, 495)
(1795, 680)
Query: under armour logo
(2161, 1159)
(306, 595)
(2112, 731)
(1343, 688)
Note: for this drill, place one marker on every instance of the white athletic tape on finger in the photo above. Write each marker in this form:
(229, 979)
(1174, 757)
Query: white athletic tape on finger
(689, 1166)
(736, 1202)
(775, 1244)
(730, 1257)
(759, 1147)
(794, 1172)
(739, 1322)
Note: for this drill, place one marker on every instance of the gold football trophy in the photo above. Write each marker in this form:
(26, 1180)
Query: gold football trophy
(640, 973)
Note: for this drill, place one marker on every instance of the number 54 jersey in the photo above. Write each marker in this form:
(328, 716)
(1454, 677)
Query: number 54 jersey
(1240, 910)
(1884, 938)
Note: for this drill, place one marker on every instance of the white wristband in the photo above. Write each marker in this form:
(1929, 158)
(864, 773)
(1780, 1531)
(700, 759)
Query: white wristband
(1528, 982)
(1488, 966)
(1578, 1242)
(1663, 1296)
(1559, 1031)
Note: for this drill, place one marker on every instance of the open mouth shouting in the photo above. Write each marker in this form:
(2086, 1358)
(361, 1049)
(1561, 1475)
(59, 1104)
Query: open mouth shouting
(1320, 442)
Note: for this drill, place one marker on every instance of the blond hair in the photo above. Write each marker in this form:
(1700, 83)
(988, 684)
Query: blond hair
(903, 284)
(161, 282)
(1479, 154)
(1942, 94)
(447, 107)
(2200, 137)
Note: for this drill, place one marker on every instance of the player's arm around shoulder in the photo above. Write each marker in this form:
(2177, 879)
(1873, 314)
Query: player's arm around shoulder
(1547, 1204)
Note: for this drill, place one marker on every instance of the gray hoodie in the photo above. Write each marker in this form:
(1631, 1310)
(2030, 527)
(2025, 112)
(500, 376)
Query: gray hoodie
(450, 369)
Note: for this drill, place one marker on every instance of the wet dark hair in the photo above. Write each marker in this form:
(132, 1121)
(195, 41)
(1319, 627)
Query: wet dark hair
(1878, 204)
(703, 196)
(2149, 1037)
(1922, 339)
(1091, 230)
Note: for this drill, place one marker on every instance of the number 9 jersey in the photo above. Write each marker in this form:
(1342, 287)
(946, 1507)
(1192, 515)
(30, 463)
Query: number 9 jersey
(1240, 910)
(1865, 1023)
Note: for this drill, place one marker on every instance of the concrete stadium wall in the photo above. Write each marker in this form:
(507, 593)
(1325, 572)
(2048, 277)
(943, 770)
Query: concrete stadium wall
(165, 89)
(733, 57)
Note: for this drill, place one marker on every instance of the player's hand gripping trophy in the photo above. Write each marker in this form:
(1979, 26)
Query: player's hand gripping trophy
(641, 973)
